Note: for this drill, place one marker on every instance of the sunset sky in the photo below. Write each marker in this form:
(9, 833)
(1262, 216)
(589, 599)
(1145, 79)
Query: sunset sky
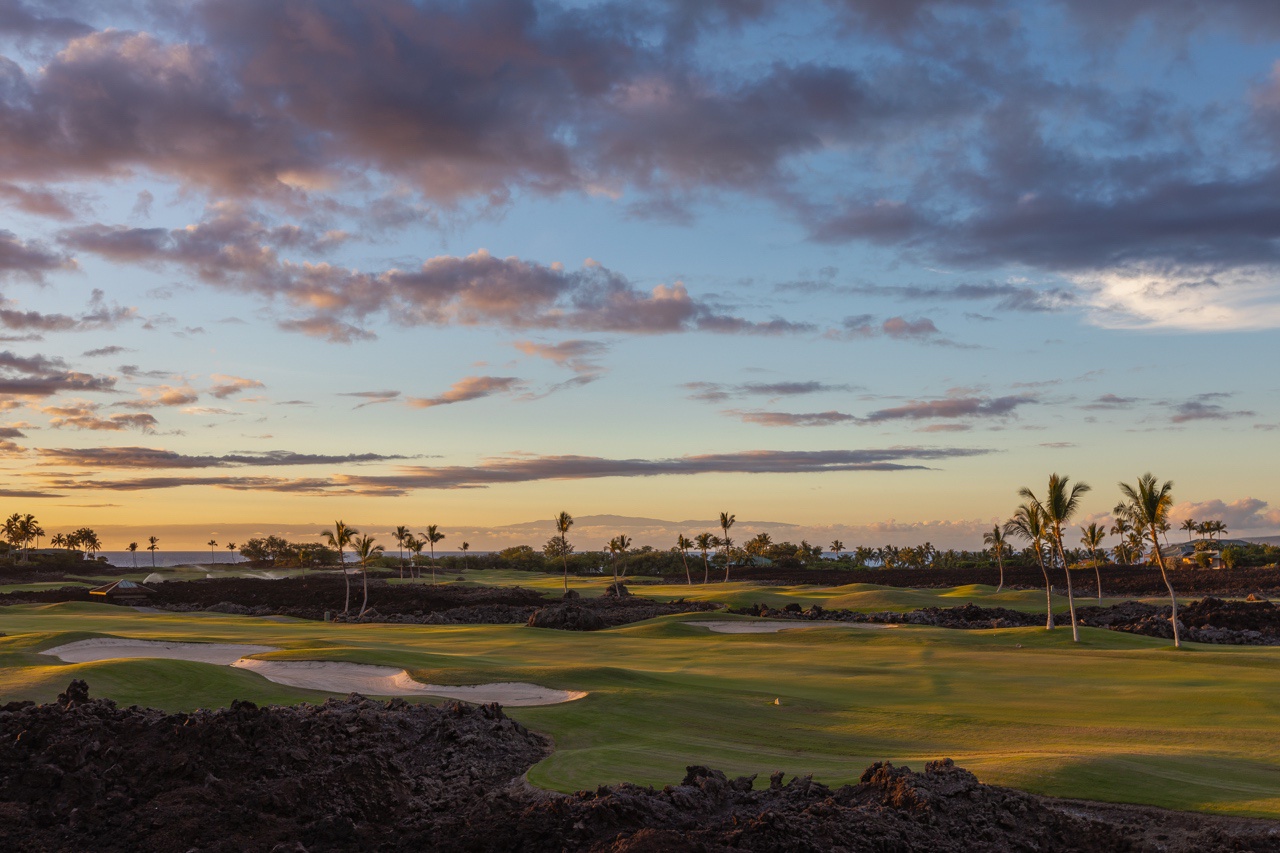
(860, 266)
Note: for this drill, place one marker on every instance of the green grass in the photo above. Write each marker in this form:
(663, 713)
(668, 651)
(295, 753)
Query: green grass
(1118, 717)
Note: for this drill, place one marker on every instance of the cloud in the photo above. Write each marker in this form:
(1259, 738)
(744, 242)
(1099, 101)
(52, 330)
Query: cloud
(787, 419)
(577, 355)
(226, 386)
(107, 350)
(39, 202)
(163, 395)
(469, 388)
(1006, 297)
(82, 417)
(371, 397)
(715, 392)
(97, 316)
(38, 376)
(1111, 401)
(29, 259)
(1200, 410)
(953, 407)
(154, 458)
(524, 469)
(861, 326)
(1251, 514)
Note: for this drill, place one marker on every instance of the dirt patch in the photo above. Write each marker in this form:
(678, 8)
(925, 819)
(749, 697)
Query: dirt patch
(354, 774)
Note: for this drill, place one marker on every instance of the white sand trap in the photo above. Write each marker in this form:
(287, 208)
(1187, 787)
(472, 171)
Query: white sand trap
(329, 676)
(108, 648)
(340, 677)
(746, 627)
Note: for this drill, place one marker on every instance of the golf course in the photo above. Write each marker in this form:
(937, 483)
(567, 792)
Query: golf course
(1117, 717)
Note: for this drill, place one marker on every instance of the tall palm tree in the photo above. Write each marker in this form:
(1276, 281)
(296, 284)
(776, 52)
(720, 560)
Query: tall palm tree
(1061, 502)
(1190, 526)
(837, 547)
(995, 538)
(92, 544)
(704, 542)
(1091, 537)
(415, 546)
(367, 551)
(618, 546)
(153, 546)
(683, 545)
(464, 548)
(339, 538)
(726, 521)
(1149, 502)
(1028, 523)
(212, 543)
(563, 522)
(231, 552)
(433, 536)
(133, 549)
(401, 533)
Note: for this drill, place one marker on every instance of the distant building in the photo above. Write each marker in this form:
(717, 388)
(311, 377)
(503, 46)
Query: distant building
(1185, 552)
(123, 592)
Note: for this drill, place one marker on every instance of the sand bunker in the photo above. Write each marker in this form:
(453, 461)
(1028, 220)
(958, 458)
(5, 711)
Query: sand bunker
(329, 676)
(775, 627)
(107, 648)
(338, 677)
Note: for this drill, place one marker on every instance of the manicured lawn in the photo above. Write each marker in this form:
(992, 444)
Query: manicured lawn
(1119, 717)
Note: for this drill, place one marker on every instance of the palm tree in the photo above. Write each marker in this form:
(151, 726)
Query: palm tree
(212, 543)
(1091, 537)
(563, 522)
(1149, 503)
(433, 535)
(1060, 504)
(340, 537)
(683, 545)
(415, 546)
(1028, 523)
(464, 548)
(995, 538)
(837, 547)
(92, 544)
(618, 546)
(231, 551)
(153, 546)
(1190, 526)
(726, 521)
(366, 551)
(401, 533)
(704, 542)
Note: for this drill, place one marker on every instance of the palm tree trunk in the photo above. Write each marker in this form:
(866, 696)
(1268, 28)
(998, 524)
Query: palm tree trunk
(1173, 599)
(1071, 600)
(688, 577)
(364, 579)
(706, 569)
(433, 562)
(1098, 574)
(1048, 595)
(346, 604)
(564, 560)
(1000, 563)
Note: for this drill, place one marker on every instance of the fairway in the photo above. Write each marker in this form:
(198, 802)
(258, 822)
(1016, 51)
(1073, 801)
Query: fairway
(1119, 717)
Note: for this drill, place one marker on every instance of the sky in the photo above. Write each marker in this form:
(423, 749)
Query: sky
(844, 268)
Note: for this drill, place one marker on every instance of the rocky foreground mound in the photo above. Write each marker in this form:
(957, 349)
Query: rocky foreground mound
(83, 774)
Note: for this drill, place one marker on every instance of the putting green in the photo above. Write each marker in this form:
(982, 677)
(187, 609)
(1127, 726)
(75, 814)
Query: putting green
(1118, 717)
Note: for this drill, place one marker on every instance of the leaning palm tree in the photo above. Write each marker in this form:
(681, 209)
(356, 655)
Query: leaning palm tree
(1061, 502)
(339, 538)
(726, 521)
(1091, 537)
(433, 536)
(995, 538)
(1028, 523)
(705, 542)
(133, 549)
(212, 543)
(618, 546)
(1149, 503)
(401, 533)
(367, 551)
(683, 545)
(153, 547)
(563, 522)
